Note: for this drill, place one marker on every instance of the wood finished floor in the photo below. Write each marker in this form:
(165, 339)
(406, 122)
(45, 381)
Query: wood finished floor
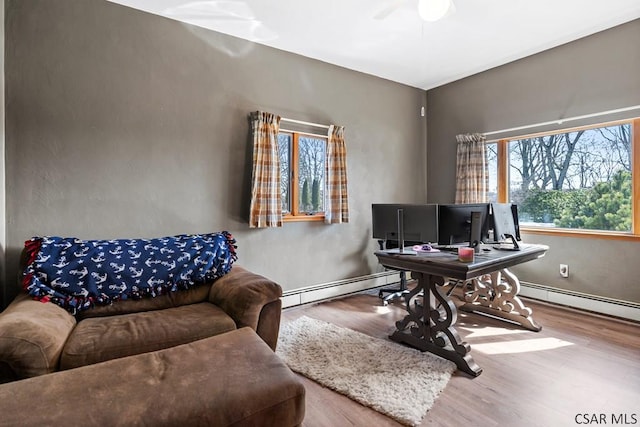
(579, 363)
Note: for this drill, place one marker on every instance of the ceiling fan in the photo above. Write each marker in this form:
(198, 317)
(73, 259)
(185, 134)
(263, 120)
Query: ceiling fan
(429, 10)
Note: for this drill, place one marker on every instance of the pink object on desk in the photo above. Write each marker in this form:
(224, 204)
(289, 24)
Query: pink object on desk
(465, 254)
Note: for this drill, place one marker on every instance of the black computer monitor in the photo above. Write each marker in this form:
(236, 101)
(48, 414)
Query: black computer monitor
(454, 224)
(419, 222)
(505, 223)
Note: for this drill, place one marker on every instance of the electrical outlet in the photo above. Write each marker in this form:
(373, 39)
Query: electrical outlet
(564, 270)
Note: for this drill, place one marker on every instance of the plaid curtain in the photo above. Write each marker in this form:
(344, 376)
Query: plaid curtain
(472, 176)
(266, 199)
(337, 204)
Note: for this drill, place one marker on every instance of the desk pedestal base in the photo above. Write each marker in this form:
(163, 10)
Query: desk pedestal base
(497, 294)
(428, 326)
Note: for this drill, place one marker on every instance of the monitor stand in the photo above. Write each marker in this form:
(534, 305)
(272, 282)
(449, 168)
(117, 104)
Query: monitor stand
(475, 233)
(400, 291)
(515, 247)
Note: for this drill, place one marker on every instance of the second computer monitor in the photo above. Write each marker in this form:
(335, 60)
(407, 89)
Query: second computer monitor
(454, 223)
(505, 222)
(419, 222)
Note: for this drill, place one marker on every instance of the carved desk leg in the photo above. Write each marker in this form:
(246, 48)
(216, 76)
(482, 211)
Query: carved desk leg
(497, 294)
(429, 327)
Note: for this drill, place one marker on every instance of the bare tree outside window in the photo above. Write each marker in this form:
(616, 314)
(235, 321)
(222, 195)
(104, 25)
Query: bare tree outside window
(302, 171)
(311, 165)
(284, 151)
(579, 179)
(492, 164)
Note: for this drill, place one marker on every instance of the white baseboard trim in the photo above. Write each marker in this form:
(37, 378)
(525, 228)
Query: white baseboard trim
(338, 288)
(593, 303)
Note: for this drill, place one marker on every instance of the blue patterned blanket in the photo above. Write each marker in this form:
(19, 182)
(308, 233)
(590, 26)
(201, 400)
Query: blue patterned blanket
(77, 274)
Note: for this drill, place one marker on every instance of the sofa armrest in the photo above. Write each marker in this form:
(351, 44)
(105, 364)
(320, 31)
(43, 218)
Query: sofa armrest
(243, 295)
(32, 335)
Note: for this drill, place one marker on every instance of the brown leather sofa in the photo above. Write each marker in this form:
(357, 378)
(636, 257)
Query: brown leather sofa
(198, 357)
(39, 338)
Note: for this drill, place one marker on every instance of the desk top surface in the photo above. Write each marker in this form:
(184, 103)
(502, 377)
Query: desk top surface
(447, 264)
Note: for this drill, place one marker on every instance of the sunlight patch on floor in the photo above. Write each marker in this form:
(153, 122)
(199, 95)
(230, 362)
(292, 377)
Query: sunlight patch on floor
(383, 310)
(490, 331)
(520, 346)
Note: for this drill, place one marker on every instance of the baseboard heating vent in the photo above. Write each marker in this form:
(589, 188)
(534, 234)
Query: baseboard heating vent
(338, 288)
(597, 304)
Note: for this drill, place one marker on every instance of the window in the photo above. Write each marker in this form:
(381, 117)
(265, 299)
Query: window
(575, 179)
(302, 172)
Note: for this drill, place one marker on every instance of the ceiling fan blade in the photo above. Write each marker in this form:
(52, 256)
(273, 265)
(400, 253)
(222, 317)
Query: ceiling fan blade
(384, 13)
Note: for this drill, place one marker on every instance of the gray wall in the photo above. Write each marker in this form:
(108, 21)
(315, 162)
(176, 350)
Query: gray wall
(125, 124)
(593, 74)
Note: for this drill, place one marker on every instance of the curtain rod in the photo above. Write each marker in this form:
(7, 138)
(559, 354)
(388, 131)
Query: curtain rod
(304, 133)
(300, 122)
(560, 121)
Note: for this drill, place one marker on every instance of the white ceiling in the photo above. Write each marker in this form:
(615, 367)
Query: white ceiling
(481, 34)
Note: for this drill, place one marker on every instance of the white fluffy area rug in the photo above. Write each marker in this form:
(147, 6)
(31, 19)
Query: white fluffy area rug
(398, 381)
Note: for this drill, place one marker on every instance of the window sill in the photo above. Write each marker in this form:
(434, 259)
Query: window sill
(589, 234)
(303, 218)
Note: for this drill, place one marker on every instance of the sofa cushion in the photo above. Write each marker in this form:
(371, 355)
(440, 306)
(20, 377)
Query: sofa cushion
(193, 295)
(103, 338)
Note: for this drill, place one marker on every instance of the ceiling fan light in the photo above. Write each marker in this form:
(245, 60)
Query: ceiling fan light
(432, 10)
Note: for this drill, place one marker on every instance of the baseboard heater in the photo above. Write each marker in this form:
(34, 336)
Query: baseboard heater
(338, 288)
(597, 304)
(594, 303)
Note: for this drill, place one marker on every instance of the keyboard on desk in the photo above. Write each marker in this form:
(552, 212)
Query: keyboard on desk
(449, 248)
(454, 248)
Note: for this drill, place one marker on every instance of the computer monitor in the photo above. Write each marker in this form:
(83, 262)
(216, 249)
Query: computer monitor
(455, 224)
(419, 222)
(505, 223)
